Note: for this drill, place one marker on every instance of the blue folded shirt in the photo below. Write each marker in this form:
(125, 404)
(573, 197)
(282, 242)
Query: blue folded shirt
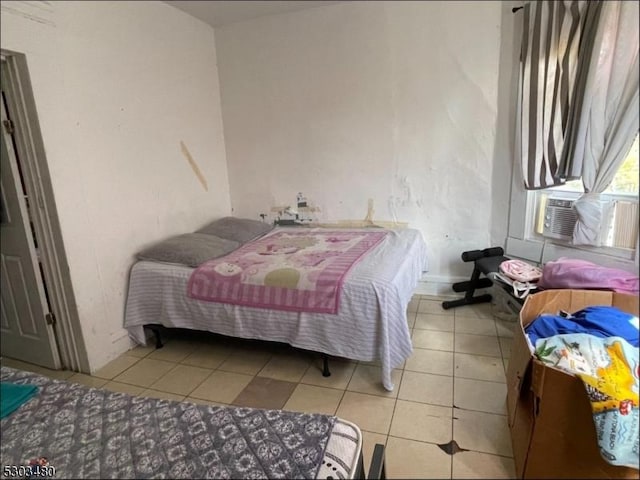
(599, 321)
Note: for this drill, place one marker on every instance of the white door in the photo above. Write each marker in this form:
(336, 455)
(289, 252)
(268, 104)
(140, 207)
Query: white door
(26, 335)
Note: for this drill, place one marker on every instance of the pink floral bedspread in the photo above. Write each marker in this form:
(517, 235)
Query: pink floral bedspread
(299, 271)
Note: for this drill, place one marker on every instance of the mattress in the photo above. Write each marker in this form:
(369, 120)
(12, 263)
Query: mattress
(371, 324)
(86, 432)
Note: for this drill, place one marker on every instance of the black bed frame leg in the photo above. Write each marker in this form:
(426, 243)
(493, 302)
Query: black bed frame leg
(156, 333)
(325, 366)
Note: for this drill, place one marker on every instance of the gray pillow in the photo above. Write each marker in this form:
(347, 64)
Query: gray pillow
(190, 249)
(237, 229)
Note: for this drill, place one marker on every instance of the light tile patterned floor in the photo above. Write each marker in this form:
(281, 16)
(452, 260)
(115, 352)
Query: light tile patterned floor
(451, 388)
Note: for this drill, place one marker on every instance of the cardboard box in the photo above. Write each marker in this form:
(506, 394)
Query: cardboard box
(550, 419)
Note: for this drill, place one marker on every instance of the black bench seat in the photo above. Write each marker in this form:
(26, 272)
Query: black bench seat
(484, 262)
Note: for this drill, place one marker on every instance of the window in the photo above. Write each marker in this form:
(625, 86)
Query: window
(626, 181)
(532, 211)
(554, 218)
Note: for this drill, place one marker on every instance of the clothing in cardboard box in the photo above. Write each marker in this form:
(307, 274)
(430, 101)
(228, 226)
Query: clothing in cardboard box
(601, 321)
(550, 417)
(608, 367)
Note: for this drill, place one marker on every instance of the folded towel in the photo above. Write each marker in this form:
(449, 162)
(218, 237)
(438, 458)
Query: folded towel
(12, 396)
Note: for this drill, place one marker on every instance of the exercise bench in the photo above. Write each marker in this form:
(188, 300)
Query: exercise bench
(484, 262)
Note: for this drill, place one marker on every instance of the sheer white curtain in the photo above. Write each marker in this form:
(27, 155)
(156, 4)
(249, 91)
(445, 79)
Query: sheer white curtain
(607, 122)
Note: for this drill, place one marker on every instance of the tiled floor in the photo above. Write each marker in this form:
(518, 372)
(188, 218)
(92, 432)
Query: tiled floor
(451, 388)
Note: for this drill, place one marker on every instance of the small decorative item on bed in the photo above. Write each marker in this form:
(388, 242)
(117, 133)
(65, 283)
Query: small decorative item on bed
(296, 271)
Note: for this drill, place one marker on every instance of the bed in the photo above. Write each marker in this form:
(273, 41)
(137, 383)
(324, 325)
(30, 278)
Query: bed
(86, 432)
(370, 324)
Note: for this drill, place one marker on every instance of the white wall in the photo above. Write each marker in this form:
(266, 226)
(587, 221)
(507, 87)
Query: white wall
(118, 86)
(504, 162)
(395, 101)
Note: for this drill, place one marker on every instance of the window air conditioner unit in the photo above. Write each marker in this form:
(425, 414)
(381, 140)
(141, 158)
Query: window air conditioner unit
(559, 219)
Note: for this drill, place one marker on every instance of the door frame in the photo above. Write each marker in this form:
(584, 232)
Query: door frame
(16, 84)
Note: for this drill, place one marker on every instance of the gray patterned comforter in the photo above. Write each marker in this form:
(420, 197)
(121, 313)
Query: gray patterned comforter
(92, 433)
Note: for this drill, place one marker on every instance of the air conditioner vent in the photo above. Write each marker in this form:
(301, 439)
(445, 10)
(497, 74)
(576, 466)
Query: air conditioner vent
(559, 219)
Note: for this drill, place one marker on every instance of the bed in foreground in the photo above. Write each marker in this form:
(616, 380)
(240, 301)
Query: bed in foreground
(84, 432)
(368, 325)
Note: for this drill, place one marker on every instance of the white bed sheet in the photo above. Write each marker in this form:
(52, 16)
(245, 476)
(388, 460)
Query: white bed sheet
(371, 324)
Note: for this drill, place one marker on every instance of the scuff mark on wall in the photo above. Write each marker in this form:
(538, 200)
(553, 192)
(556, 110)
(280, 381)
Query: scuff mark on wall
(194, 166)
(369, 218)
(407, 200)
(367, 222)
